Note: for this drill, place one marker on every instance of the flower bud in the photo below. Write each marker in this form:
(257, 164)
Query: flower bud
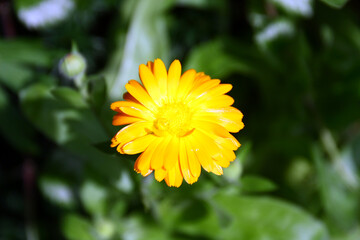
(73, 65)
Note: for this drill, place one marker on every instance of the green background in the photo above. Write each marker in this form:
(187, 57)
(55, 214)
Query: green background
(295, 70)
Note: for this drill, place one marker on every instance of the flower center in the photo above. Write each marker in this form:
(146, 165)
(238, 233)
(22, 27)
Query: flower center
(174, 118)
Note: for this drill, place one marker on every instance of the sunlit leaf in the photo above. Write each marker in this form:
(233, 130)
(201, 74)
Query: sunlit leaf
(57, 191)
(76, 227)
(93, 197)
(146, 40)
(299, 7)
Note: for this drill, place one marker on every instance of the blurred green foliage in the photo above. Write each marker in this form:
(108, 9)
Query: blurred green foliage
(295, 69)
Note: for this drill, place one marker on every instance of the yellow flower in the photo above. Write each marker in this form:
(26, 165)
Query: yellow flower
(179, 123)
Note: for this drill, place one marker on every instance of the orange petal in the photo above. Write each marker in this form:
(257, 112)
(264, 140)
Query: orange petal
(139, 92)
(142, 164)
(123, 119)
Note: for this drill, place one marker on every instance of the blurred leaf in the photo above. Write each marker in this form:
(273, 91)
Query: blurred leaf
(75, 227)
(26, 51)
(234, 171)
(105, 228)
(14, 128)
(14, 75)
(57, 191)
(64, 119)
(255, 218)
(256, 184)
(136, 227)
(199, 3)
(340, 202)
(212, 59)
(298, 7)
(146, 40)
(274, 31)
(335, 3)
(70, 124)
(69, 96)
(97, 91)
(193, 217)
(93, 196)
(26, 3)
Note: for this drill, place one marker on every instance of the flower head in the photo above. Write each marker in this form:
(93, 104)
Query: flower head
(179, 123)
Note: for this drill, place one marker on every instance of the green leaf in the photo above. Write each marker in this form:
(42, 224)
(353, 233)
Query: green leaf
(194, 217)
(70, 96)
(26, 51)
(256, 184)
(221, 66)
(14, 75)
(64, 118)
(69, 123)
(137, 227)
(93, 197)
(14, 127)
(76, 227)
(340, 200)
(57, 191)
(335, 3)
(255, 218)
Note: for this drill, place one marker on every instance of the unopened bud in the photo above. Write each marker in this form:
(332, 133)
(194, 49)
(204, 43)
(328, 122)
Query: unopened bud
(73, 65)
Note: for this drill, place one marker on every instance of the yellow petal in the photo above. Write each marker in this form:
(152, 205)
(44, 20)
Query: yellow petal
(138, 112)
(142, 161)
(212, 128)
(138, 145)
(172, 153)
(194, 164)
(204, 157)
(160, 153)
(138, 92)
(174, 177)
(228, 117)
(150, 83)
(160, 74)
(160, 174)
(130, 132)
(218, 102)
(173, 79)
(186, 83)
(200, 90)
(184, 163)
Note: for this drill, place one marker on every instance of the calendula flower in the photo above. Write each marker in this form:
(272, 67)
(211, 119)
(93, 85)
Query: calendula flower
(179, 123)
